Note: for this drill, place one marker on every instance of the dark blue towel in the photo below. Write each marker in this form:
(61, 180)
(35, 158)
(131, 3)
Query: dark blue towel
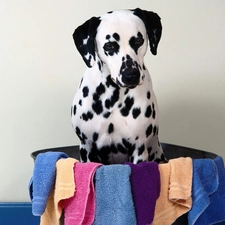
(205, 183)
(43, 180)
(215, 212)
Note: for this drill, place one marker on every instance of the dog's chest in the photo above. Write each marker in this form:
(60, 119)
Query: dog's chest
(101, 107)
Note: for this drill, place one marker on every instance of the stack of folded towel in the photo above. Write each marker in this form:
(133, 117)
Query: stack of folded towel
(130, 194)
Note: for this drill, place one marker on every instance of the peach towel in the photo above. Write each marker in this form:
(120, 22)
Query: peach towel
(175, 195)
(64, 188)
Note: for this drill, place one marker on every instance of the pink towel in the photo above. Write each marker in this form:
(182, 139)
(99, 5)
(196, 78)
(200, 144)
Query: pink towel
(80, 209)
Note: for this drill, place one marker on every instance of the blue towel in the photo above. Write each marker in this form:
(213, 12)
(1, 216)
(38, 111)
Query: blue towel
(43, 180)
(114, 204)
(215, 212)
(205, 183)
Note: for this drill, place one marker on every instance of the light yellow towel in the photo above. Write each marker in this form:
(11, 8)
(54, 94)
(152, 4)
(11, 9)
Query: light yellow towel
(175, 195)
(64, 188)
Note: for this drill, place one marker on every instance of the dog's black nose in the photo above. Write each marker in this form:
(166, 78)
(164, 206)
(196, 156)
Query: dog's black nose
(130, 77)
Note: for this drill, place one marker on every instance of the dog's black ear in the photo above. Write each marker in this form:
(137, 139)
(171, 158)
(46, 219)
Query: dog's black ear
(84, 38)
(153, 26)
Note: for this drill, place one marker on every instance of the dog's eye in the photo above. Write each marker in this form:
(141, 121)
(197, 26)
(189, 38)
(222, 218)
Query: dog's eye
(109, 46)
(139, 41)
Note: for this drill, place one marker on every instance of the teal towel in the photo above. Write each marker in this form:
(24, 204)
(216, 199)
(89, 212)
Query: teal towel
(43, 180)
(114, 204)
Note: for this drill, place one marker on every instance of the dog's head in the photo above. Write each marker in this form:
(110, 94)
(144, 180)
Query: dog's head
(120, 39)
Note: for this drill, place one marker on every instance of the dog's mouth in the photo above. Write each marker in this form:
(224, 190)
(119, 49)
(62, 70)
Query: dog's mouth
(123, 85)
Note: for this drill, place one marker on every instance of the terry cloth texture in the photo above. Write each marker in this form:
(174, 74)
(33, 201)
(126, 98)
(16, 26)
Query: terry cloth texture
(215, 212)
(145, 186)
(80, 209)
(114, 204)
(43, 180)
(64, 189)
(205, 183)
(175, 195)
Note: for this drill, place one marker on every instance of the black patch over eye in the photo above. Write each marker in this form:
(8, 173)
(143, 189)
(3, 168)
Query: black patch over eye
(111, 48)
(136, 42)
(139, 41)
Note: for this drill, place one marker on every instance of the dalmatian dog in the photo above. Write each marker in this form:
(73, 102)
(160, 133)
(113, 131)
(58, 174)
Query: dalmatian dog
(114, 111)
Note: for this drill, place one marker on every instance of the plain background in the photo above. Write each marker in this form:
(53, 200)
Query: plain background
(40, 69)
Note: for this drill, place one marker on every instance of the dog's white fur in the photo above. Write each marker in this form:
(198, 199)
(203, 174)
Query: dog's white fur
(127, 25)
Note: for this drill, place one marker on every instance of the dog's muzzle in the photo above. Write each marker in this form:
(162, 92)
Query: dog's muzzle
(131, 77)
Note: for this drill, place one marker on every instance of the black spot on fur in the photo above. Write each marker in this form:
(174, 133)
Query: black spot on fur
(97, 107)
(77, 130)
(97, 104)
(81, 136)
(121, 149)
(132, 159)
(153, 111)
(127, 107)
(100, 89)
(154, 130)
(136, 112)
(93, 154)
(114, 149)
(85, 91)
(103, 154)
(80, 102)
(87, 116)
(99, 66)
(113, 99)
(126, 91)
(107, 37)
(95, 136)
(107, 103)
(148, 95)
(106, 115)
(151, 157)
(74, 110)
(141, 150)
(109, 82)
(130, 147)
(81, 82)
(116, 36)
(83, 154)
(110, 128)
(144, 68)
(148, 111)
(149, 130)
(139, 161)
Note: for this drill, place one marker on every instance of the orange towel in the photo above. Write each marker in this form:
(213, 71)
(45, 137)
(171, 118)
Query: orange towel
(175, 195)
(64, 188)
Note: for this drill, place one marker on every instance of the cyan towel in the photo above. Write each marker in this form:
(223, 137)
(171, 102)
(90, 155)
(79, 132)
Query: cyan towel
(215, 212)
(43, 180)
(145, 186)
(114, 204)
